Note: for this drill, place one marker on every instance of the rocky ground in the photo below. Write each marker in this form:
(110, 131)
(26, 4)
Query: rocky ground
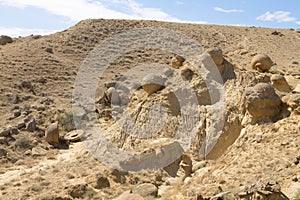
(256, 155)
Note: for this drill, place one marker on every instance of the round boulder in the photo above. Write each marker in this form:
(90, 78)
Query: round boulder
(261, 63)
(216, 54)
(5, 40)
(52, 134)
(152, 83)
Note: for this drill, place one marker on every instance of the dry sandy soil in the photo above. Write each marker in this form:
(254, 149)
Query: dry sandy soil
(252, 160)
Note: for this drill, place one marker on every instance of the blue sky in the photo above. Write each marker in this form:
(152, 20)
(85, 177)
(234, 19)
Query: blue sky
(25, 17)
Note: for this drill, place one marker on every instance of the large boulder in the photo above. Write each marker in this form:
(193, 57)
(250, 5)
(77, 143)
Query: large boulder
(262, 102)
(5, 40)
(261, 63)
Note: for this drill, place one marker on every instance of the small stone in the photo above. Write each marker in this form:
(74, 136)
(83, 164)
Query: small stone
(146, 189)
(17, 113)
(36, 36)
(49, 50)
(187, 73)
(14, 131)
(110, 84)
(21, 124)
(38, 151)
(295, 178)
(4, 132)
(101, 182)
(52, 134)
(152, 83)
(78, 191)
(3, 153)
(31, 126)
(177, 61)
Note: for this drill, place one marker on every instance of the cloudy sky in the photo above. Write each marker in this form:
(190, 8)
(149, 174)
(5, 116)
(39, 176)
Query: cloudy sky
(25, 17)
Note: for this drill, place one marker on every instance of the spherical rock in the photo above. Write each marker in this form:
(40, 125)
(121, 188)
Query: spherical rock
(261, 63)
(152, 83)
(177, 61)
(216, 54)
(52, 134)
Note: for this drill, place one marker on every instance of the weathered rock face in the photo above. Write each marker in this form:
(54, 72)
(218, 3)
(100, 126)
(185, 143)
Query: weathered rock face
(5, 40)
(152, 83)
(216, 54)
(262, 102)
(52, 134)
(261, 63)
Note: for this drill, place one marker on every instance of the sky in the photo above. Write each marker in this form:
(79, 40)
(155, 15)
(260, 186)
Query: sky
(25, 17)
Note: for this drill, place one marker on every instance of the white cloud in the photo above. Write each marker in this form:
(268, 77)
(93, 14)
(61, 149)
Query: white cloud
(77, 10)
(227, 11)
(278, 16)
(14, 32)
(298, 22)
(179, 2)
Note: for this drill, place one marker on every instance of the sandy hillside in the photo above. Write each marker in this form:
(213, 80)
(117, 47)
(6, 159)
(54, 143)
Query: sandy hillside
(255, 157)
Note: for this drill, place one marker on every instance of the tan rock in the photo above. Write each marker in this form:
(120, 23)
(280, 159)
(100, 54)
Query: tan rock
(280, 83)
(262, 102)
(216, 54)
(52, 134)
(146, 189)
(152, 83)
(177, 61)
(261, 63)
(187, 73)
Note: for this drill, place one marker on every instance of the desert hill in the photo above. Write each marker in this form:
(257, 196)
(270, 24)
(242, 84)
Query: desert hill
(256, 156)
